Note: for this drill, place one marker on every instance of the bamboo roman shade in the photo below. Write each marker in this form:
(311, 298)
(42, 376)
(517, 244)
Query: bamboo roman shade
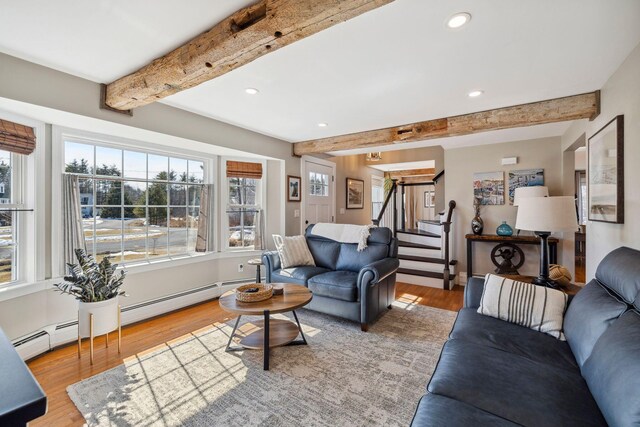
(17, 138)
(244, 170)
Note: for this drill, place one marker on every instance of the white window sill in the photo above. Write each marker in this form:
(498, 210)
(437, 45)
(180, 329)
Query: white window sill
(17, 290)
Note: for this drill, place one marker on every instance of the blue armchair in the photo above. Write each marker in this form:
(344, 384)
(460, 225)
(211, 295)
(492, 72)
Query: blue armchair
(358, 286)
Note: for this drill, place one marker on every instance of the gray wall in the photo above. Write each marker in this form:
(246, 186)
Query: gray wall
(33, 84)
(619, 95)
(462, 163)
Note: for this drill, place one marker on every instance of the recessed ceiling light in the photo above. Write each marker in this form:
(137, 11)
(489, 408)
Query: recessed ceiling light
(475, 93)
(251, 90)
(458, 20)
(323, 125)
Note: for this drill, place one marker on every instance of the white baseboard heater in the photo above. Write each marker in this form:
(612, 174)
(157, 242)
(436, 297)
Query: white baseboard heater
(52, 336)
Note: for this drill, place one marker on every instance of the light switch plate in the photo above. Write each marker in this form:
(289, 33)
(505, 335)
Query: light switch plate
(342, 211)
(296, 213)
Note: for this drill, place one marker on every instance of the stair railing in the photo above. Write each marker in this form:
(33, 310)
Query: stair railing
(390, 195)
(446, 228)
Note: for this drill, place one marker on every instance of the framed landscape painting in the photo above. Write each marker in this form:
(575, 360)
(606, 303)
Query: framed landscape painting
(606, 173)
(524, 178)
(488, 187)
(293, 188)
(355, 193)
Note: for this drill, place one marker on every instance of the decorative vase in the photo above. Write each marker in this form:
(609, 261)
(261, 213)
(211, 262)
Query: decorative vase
(504, 229)
(105, 317)
(477, 225)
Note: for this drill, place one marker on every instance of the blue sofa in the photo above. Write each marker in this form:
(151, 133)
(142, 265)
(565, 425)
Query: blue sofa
(358, 286)
(494, 373)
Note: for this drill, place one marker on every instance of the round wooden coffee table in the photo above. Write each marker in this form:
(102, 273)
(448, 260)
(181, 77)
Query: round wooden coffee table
(275, 332)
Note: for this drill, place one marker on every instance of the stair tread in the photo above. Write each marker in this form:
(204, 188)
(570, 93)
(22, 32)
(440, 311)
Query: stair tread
(425, 259)
(433, 274)
(416, 245)
(419, 232)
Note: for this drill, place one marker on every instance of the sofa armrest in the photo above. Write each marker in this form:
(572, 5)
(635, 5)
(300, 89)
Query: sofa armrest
(377, 271)
(271, 261)
(473, 292)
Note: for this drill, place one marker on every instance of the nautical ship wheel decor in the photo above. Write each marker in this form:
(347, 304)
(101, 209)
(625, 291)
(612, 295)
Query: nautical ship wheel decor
(508, 258)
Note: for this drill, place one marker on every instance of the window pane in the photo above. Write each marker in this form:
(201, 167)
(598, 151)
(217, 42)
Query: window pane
(7, 247)
(108, 161)
(135, 165)
(178, 168)
(135, 234)
(78, 158)
(196, 171)
(250, 195)
(135, 193)
(249, 229)
(158, 232)
(192, 224)
(178, 230)
(235, 197)
(86, 191)
(87, 227)
(235, 228)
(158, 166)
(193, 193)
(109, 238)
(108, 193)
(5, 177)
(177, 195)
(157, 194)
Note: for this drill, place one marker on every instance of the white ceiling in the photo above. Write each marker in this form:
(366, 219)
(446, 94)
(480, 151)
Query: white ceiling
(395, 65)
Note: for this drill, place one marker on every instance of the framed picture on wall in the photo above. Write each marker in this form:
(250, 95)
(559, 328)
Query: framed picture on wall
(293, 188)
(355, 193)
(524, 178)
(488, 187)
(606, 173)
(429, 199)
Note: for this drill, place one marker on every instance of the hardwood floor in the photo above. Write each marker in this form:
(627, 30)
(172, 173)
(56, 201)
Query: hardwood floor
(60, 368)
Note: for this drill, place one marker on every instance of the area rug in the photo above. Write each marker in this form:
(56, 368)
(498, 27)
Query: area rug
(344, 377)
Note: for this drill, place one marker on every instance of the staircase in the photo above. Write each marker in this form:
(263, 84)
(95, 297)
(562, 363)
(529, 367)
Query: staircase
(423, 252)
(422, 258)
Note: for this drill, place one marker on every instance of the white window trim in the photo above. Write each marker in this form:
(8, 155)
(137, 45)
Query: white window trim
(60, 134)
(31, 227)
(224, 198)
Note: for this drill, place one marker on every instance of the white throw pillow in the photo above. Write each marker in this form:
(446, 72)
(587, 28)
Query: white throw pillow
(532, 306)
(293, 251)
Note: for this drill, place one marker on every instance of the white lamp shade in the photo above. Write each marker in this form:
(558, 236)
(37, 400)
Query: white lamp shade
(523, 192)
(549, 214)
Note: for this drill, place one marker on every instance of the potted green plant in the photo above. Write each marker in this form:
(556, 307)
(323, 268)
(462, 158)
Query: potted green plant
(96, 286)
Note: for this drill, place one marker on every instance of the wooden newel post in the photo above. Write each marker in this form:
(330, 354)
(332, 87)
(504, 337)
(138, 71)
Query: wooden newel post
(446, 228)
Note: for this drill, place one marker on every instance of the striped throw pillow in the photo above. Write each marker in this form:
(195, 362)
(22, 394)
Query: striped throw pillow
(532, 306)
(293, 251)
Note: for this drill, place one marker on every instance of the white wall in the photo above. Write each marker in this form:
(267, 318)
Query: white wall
(462, 163)
(619, 95)
(28, 87)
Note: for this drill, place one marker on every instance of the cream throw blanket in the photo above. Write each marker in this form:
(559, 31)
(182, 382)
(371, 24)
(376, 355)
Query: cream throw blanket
(344, 233)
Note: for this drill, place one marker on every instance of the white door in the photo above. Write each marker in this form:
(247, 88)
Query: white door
(319, 187)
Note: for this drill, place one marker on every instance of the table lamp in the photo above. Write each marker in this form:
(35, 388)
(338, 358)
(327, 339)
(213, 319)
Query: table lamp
(543, 216)
(523, 192)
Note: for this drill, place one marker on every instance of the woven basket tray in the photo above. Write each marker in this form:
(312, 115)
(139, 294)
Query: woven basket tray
(265, 292)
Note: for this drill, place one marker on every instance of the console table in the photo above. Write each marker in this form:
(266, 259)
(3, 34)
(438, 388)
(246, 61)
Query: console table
(516, 240)
(21, 398)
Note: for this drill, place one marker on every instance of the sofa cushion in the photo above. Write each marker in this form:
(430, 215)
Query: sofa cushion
(293, 251)
(590, 313)
(435, 410)
(474, 327)
(352, 260)
(613, 371)
(525, 304)
(620, 272)
(340, 285)
(325, 252)
(299, 275)
(513, 387)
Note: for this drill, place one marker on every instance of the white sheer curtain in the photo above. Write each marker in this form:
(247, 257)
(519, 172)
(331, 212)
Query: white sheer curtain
(72, 230)
(259, 243)
(202, 241)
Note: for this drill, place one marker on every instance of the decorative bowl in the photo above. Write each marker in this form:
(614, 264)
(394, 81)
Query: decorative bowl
(263, 292)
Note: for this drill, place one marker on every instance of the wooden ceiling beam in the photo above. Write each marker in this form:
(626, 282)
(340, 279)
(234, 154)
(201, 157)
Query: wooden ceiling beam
(399, 174)
(248, 34)
(584, 106)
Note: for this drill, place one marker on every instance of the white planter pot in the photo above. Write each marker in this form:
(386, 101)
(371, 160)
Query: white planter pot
(105, 317)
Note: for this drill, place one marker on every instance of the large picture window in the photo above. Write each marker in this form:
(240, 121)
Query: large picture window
(136, 205)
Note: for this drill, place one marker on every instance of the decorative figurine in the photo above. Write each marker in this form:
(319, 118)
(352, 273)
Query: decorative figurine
(477, 225)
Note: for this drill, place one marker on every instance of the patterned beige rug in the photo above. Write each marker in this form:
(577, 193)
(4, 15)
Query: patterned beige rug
(344, 377)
